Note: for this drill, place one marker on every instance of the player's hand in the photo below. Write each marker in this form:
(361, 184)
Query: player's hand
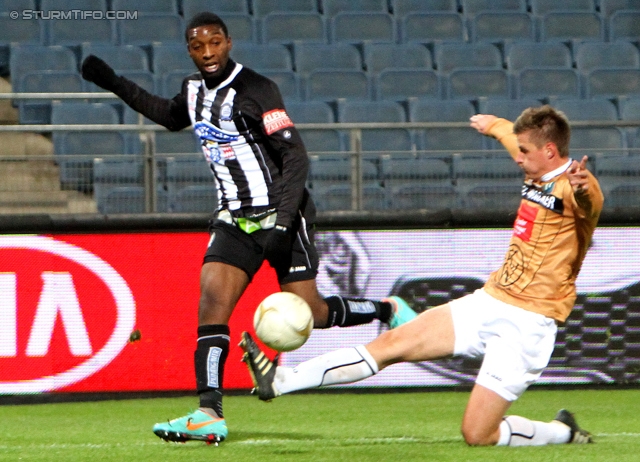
(577, 174)
(97, 71)
(277, 250)
(482, 122)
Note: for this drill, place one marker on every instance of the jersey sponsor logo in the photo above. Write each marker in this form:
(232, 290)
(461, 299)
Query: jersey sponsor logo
(543, 198)
(523, 226)
(206, 131)
(75, 318)
(275, 120)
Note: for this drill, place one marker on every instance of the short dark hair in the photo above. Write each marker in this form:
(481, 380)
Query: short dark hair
(546, 124)
(205, 19)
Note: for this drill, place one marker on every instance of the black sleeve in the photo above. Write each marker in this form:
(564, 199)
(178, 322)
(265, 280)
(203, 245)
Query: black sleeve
(284, 140)
(170, 113)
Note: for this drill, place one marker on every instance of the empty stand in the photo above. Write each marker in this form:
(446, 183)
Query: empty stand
(571, 26)
(332, 7)
(400, 84)
(328, 85)
(243, 28)
(613, 82)
(587, 109)
(402, 7)
(273, 57)
(120, 57)
(288, 82)
(543, 82)
(264, 7)
(357, 27)
(380, 56)
(323, 140)
(598, 55)
(619, 178)
(542, 7)
(625, 25)
(39, 111)
(432, 110)
(508, 109)
(450, 139)
(291, 27)
(168, 57)
(473, 7)
(311, 57)
(177, 142)
(170, 83)
(473, 83)
(370, 111)
(432, 28)
(146, 6)
(26, 58)
(150, 28)
(450, 56)
(190, 185)
(608, 7)
(75, 31)
(310, 112)
(221, 7)
(521, 55)
(502, 27)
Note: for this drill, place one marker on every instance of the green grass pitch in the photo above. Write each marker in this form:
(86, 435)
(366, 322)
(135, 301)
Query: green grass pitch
(404, 426)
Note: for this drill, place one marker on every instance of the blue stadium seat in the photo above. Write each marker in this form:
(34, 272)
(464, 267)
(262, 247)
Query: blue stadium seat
(262, 8)
(609, 7)
(400, 84)
(309, 112)
(309, 57)
(118, 172)
(619, 178)
(83, 113)
(592, 141)
(288, 82)
(594, 55)
(570, 26)
(370, 111)
(39, 111)
(120, 57)
(450, 56)
(357, 27)
(195, 199)
(77, 30)
(449, 139)
(168, 57)
(332, 7)
(380, 56)
(146, 6)
(432, 28)
(508, 109)
(12, 31)
(291, 27)
(587, 109)
(323, 140)
(402, 7)
(7, 6)
(613, 82)
(328, 171)
(433, 110)
(273, 57)
(473, 7)
(544, 82)
(190, 185)
(624, 25)
(182, 142)
(27, 58)
(467, 83)
(150, 28)
(542, 7)
(420, 195)
(243, 28)
(521, 55)
(502, 27)
(67, 5)
(630, 108)
(221, 7)
(329, 85)
(145, 79)
(171, 82)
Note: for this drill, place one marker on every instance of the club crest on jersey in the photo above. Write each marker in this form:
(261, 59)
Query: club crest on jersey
(226, 112)
(275, 120)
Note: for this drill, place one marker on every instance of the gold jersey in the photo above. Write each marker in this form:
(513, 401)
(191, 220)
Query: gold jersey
(551, 235)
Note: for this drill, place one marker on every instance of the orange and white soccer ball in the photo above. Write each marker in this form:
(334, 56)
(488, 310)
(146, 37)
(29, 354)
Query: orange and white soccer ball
(283, 321)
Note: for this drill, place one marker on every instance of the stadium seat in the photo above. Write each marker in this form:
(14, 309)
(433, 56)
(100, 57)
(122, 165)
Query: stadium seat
(17, 5)
(609, 7)
(449, 139)
(189, 184)
(329, 171)
(182, 142)
(613, 82)
(145, 79)
(508, 109)
(617, 172)
(432, 28)
(432, 110)
(150, 28)
(119, 57)
(262, 8)
(329, 85)
(357, 27)
(597, 138)
(624, 25)
(522, 55)
(243, 28)
(545, 82)
(421, 195)
(502, 27)
(171, 82)
(400, 84)
(39, 111)
(168, 57)
(11, 31)
(399, 8)
(309, 57)
(332, 7)
(27, 58)
(195, 199)
(221, 7)
(570, 26)
(309, 112)
(370, 111)
(587, 109)
(291, 27)
(450, 56)
(75, 31)
(272, 57)
(630, 108)
(467, 83)
(146, 6)
(598, 55)
(542, 7)
(473, 7)
(83, 113)
(323, 140)
(117, 172)
(288, 82)
(381, 56)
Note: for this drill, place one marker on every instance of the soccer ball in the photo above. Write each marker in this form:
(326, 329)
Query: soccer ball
(283, 321)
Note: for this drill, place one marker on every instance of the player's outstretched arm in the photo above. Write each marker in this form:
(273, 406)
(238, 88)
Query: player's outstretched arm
(500, 129)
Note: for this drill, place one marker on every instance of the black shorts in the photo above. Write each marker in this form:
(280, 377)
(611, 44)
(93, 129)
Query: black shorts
(231, 245)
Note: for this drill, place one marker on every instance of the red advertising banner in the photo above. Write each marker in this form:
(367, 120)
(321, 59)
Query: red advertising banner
(69, 305)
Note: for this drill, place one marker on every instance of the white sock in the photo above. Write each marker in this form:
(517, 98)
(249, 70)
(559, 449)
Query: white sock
(339, 366)
(519, 431)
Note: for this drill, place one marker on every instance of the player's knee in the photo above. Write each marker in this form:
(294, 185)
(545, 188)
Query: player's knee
(475, 436)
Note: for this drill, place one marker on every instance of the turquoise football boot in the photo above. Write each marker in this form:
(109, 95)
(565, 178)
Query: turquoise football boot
(198, 426)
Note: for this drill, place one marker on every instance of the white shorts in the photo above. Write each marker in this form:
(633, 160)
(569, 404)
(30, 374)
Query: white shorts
(516, 343)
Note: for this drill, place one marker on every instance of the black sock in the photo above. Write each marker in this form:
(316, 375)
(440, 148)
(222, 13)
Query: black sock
(346, 312)
(209, 358)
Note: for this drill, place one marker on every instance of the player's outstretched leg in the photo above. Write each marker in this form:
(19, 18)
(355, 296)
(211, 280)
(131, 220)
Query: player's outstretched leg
(198, 426)
(261, 368)
(401, 313)
(578, 435)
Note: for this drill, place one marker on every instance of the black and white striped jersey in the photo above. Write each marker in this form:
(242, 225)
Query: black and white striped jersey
(253, 149)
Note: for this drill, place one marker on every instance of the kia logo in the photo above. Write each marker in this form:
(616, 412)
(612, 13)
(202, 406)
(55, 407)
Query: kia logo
(58, 303)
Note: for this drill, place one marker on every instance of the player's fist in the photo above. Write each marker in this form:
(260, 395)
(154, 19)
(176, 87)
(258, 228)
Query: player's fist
(577, 174)
(97, 71)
